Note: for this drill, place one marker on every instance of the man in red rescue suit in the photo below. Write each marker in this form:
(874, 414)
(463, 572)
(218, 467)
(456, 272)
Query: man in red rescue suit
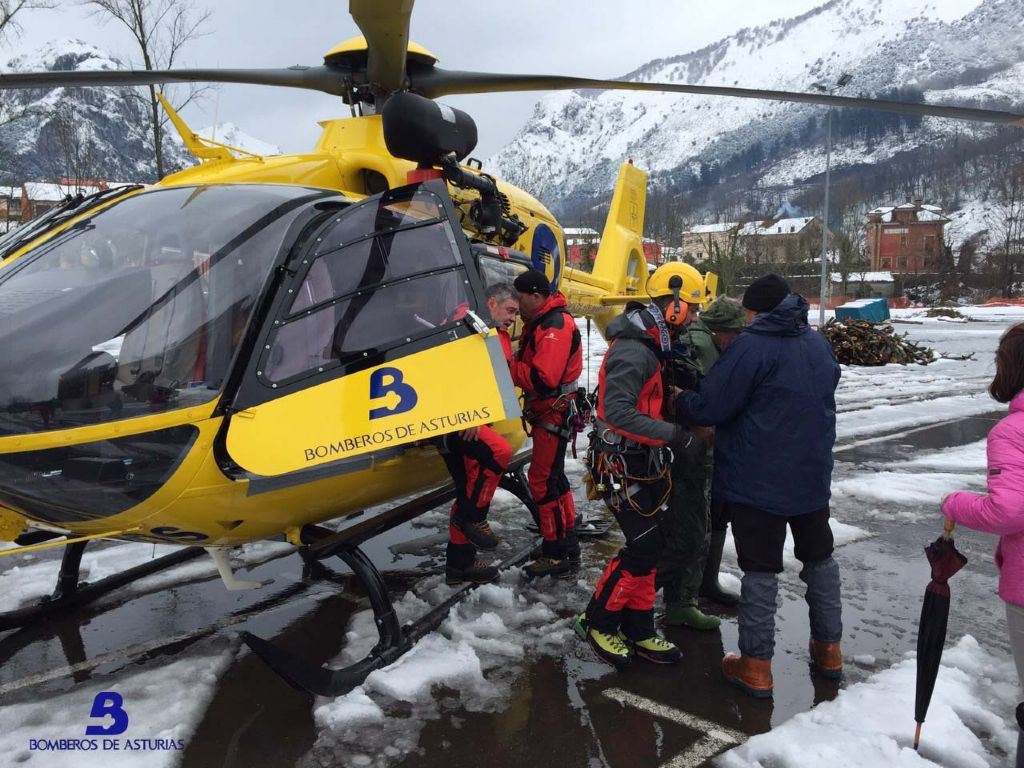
(546, 367)
(476, 459)
(630, 467)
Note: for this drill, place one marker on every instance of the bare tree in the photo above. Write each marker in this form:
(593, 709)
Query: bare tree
(1006, 223)
(726, 259)
(11, 104)
(161, 28)
(68, 145)
(10, 9)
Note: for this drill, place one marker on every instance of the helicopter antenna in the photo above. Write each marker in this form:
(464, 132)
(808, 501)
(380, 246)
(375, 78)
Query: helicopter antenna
(216, 109)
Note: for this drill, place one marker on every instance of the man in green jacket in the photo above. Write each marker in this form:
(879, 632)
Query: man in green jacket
(686, 520)
(717, 327)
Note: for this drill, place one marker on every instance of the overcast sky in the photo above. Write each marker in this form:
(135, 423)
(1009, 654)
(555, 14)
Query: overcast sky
(589, 38)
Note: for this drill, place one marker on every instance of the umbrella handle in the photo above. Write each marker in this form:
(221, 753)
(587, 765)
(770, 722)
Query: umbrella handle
(947, 528)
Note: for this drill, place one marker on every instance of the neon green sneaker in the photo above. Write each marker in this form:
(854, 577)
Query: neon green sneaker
(609, 648)
(654, 649)
(580, 626)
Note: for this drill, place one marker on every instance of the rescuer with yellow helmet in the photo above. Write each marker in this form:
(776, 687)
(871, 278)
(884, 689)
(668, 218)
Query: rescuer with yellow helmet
(632, 445)
(685, 522)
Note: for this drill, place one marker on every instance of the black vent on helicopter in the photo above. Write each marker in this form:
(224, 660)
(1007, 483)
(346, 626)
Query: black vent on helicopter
(506, 205)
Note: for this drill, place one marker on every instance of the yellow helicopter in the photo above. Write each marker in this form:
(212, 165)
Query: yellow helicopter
(251, 347)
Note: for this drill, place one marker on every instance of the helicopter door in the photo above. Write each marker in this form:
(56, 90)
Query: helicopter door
(373, 341)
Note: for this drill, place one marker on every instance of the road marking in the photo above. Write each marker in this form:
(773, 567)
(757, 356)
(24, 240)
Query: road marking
(715, 739)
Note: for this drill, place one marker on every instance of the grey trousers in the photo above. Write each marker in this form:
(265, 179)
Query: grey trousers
(1015, 623)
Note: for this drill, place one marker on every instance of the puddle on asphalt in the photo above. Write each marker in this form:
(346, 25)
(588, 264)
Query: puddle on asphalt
(931, 438)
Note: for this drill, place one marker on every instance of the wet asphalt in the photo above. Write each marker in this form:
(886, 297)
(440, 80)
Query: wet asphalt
(568, 710)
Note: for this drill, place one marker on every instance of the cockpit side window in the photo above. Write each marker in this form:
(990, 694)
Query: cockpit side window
(498, 270)
(139, 308)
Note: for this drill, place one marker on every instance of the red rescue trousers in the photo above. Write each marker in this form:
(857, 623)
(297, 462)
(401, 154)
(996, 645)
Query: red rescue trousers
(550, 488)
(476, 466)
(624, 597)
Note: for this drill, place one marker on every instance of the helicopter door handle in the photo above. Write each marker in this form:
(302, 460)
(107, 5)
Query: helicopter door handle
(473, 321)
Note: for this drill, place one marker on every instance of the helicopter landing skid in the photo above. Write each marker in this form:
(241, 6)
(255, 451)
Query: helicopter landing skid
(70, 593)
(514, 481)
(394, 640)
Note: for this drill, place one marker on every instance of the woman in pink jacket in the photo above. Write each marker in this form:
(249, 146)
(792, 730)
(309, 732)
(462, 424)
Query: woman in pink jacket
(1002, 510)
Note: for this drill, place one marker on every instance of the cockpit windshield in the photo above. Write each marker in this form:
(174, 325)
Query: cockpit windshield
(139, 308)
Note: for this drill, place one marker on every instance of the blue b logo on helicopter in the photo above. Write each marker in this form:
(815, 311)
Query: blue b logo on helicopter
(385, 381)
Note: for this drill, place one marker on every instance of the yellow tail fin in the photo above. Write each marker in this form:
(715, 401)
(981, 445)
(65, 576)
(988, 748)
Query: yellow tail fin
(620, 262)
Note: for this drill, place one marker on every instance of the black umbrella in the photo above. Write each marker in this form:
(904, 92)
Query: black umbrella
(1020, 736)
(931, 634)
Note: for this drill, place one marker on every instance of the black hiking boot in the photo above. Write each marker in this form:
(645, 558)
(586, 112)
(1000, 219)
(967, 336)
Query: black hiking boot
(479, 534)
(548, 566)
(479, 572)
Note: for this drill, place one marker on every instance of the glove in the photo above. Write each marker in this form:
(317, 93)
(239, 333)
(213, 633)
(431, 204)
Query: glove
(685, 445)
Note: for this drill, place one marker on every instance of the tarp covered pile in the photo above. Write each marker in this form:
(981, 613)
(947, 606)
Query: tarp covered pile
(858, 342)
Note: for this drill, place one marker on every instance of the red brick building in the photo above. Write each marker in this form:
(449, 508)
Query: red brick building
(905, 238)
(582, 243)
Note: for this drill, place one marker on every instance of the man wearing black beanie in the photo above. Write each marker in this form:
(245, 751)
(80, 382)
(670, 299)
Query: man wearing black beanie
(765, 293)
(771, 397)
(546, 367)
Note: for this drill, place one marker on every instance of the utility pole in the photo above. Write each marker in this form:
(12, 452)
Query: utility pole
(844, 79)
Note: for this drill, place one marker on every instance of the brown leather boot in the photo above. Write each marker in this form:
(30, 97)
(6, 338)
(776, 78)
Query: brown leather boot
(750, 675)
(826, 659)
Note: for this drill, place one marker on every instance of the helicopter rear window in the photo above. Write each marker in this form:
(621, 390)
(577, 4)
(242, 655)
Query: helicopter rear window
(364, 324)
(384, 272)
(382, 216)
(377, 260)
(139, 308)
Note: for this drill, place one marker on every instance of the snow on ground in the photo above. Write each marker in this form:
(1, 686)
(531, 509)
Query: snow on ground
(469, 664)
(922, 480)
(22, 584)
(163, 701)
(869, 724)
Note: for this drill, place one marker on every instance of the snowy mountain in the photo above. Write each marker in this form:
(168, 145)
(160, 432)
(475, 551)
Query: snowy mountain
(77, 132)
(944, 51)
(89, 133)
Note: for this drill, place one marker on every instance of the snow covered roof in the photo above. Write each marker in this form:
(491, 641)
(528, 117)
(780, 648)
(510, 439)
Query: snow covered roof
(49, 192)
(780, 227)
(866, 277)
(924, 212)
(704, 229)
(580, 232)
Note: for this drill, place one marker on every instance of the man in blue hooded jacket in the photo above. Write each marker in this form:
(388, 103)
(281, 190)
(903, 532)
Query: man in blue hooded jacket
(771, 397)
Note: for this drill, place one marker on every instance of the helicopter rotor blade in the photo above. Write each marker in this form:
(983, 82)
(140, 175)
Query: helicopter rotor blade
(385, 25)
(438, 82)
(328, 79)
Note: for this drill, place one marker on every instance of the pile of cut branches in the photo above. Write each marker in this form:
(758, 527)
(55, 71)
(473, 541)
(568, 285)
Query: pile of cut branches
(858, 342)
